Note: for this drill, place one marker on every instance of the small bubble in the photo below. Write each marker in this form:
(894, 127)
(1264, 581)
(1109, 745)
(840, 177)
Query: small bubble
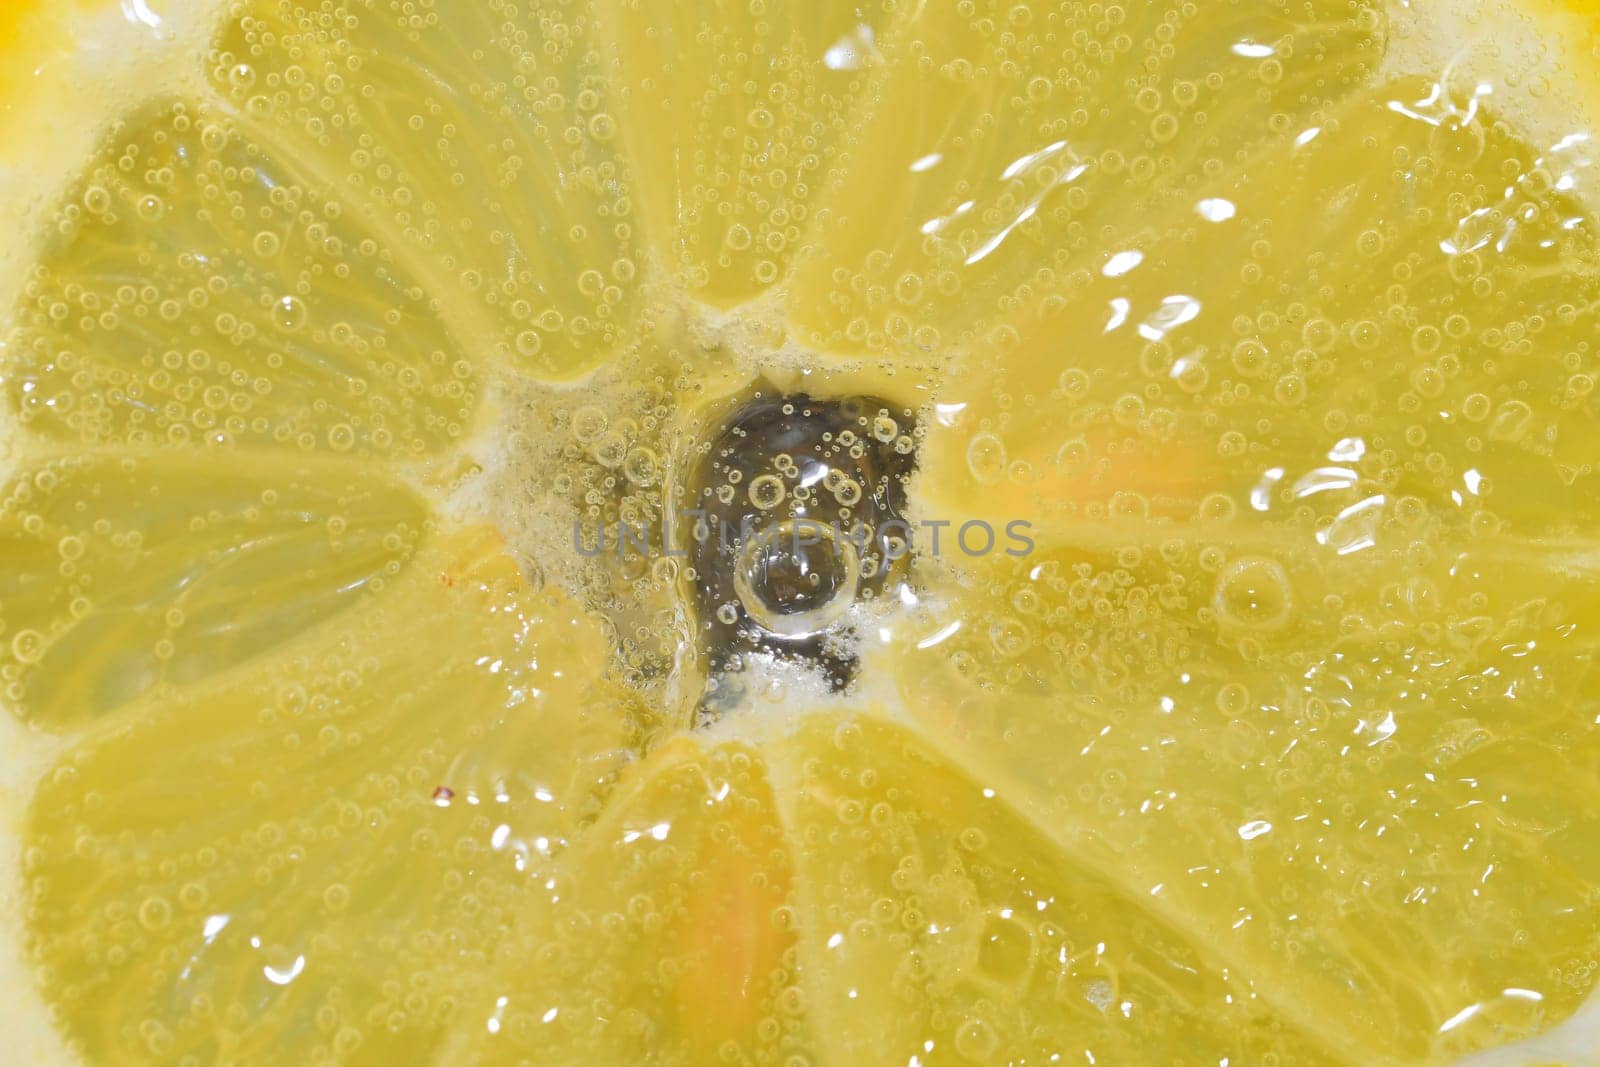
(588, 423)
(641, 466)
(611, 449)
(529, 343)
(341, 437)
(977, 1041)
(986, 458)
(1233, 699)
(154, 913)
(1253, 593)
(27, 646)
(767, 491)
(289, 314)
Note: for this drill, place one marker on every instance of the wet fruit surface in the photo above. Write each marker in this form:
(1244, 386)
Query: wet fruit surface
(583, 531)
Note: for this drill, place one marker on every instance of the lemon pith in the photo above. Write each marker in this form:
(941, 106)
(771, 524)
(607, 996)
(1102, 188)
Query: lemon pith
(1278, 744)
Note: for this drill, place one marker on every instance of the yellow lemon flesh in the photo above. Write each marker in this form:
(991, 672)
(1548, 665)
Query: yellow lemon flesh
(1234, 368)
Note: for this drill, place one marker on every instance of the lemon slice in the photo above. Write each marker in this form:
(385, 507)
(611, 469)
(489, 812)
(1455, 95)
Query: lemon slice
(1258, 727)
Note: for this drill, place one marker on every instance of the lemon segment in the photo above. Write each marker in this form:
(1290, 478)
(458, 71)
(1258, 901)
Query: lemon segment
(1007, 145)
(667, 936)
(480, 137)
(1247, 743)
(125, 574)
(1421, 334)
(198, 291)
(735, 115)
(375, 803)
(939, 924)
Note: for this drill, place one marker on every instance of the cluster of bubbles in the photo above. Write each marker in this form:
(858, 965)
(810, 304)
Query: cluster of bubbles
(1028, 178)
(513, 199)
(790, 520)
(707, 533)
(254, 311)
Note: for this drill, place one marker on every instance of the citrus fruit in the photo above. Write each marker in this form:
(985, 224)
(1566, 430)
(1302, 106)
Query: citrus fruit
(582, 531)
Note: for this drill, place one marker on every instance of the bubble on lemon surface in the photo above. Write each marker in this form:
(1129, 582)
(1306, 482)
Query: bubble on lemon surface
(1254, 593)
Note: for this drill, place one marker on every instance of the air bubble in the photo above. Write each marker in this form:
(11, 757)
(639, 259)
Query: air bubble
(1253, 593)
(341, 437)
(27, 646)
(588, 423)
(641, 466)
(976, 1040)
(289, 314)
(767, 491)
(154, 913)
(1233, 699)
(797, 578)
(986, 458)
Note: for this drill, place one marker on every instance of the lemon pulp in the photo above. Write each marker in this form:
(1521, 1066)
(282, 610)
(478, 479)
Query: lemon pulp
(1269, 323)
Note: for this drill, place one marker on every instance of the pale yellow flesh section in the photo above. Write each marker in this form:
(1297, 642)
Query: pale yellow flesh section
(1012, 141)
(735, 119)
(339, 891)
(1366, 824)
(480, 138)
(202, 290)
(131, 573)
(1444, 346)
